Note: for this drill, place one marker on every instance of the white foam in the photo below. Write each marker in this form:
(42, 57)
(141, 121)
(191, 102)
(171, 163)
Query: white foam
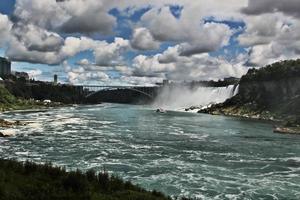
(8, 132)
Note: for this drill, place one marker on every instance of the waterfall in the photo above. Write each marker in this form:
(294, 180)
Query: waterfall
(236, 90)
(182, 97)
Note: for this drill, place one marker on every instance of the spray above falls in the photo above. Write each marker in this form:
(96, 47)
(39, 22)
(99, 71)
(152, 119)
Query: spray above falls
(183, 97)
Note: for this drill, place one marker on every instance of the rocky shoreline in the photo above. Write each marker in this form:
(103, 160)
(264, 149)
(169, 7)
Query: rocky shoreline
(7, 125)
(281, 124)
(287, 130)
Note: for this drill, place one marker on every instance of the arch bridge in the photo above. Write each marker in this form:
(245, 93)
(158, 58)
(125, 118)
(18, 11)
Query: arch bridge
(144, 90)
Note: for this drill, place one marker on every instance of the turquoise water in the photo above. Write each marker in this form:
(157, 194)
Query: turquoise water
(202, 156)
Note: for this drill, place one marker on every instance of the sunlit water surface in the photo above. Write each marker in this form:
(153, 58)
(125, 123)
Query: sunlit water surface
(202, 156)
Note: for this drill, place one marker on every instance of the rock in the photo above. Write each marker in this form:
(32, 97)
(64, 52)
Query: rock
(8, 124)
(7, 133)
(286, 130)
(5, 124)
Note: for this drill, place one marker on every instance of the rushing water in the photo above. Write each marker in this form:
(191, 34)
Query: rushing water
(182, 97)
(203, 156)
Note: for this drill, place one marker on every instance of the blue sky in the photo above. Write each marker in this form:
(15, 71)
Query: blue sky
(137, 42)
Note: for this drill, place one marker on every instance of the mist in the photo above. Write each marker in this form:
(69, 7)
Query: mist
(183, 97)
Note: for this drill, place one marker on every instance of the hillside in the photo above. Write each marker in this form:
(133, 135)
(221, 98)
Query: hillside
(10, 102)
(269, 93)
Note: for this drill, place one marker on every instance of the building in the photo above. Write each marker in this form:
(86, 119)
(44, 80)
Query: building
(55, 79)
(22, 75)
(166, 82)
(231, 79)
(5, 67)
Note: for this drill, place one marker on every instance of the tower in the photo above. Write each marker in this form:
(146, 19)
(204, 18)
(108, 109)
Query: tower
(5, 67)
(55, 79)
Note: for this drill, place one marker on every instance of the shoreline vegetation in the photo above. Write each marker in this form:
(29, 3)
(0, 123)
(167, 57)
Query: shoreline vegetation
(9, 102)
(271, 94)
(30, 181)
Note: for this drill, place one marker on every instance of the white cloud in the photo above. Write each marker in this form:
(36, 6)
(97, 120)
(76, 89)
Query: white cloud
(34, 73)
(140, 80)
(196, 35)
(272, 39)
(46, 13)
(36, 38)
(70, 16)
(150, 66)
(5, 27)
(288, 7)
(82, 74)
(37, 34)
(106, 54)
(110, 54)
(142, 39)
(170, 64)
(87, 16)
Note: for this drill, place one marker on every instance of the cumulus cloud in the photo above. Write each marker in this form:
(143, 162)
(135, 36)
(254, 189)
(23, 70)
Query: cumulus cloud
(82, 74)
(34, 73)
(150, 66)
(36, 38)
(288, 7)
(47, 14)
(213, 36)
(5, 27)
(72, 16)
(140, 80)
(20, 50)
(196, 35)
(52, 31)
(206, 67)
(42, 50)
(87, 16)
(17, 51)
(110, 54)
(142, 39)
(170, 64)
(272, 39)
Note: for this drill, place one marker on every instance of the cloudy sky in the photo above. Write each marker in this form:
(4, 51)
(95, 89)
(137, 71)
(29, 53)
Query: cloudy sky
(142, 42)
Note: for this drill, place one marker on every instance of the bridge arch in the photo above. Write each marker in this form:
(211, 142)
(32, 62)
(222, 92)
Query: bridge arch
(102, 88)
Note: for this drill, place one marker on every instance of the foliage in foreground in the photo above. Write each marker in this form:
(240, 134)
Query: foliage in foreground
(30, 181)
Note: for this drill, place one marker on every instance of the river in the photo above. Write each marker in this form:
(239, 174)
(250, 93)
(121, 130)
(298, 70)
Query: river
(196, 155)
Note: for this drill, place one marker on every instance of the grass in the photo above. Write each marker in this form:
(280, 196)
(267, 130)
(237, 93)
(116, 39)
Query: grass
(30, 181)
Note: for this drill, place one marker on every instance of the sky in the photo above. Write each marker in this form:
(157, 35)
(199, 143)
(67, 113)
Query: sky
(142, 42)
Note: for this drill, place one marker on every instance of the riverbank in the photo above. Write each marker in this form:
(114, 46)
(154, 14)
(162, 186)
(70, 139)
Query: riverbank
(8, 102)
(27, 180)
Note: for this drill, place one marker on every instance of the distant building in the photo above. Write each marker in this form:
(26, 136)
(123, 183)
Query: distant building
(21, 75)
(166, 82)
(232, 79)
(5, 67)
(55, 79)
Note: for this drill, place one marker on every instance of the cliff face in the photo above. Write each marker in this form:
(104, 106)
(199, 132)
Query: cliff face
(272, 92)
(269, 93)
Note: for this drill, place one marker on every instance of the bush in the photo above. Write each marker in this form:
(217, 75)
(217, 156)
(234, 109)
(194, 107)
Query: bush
(26, 181)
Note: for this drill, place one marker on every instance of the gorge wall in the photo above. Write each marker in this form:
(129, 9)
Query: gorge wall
(269, 92)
